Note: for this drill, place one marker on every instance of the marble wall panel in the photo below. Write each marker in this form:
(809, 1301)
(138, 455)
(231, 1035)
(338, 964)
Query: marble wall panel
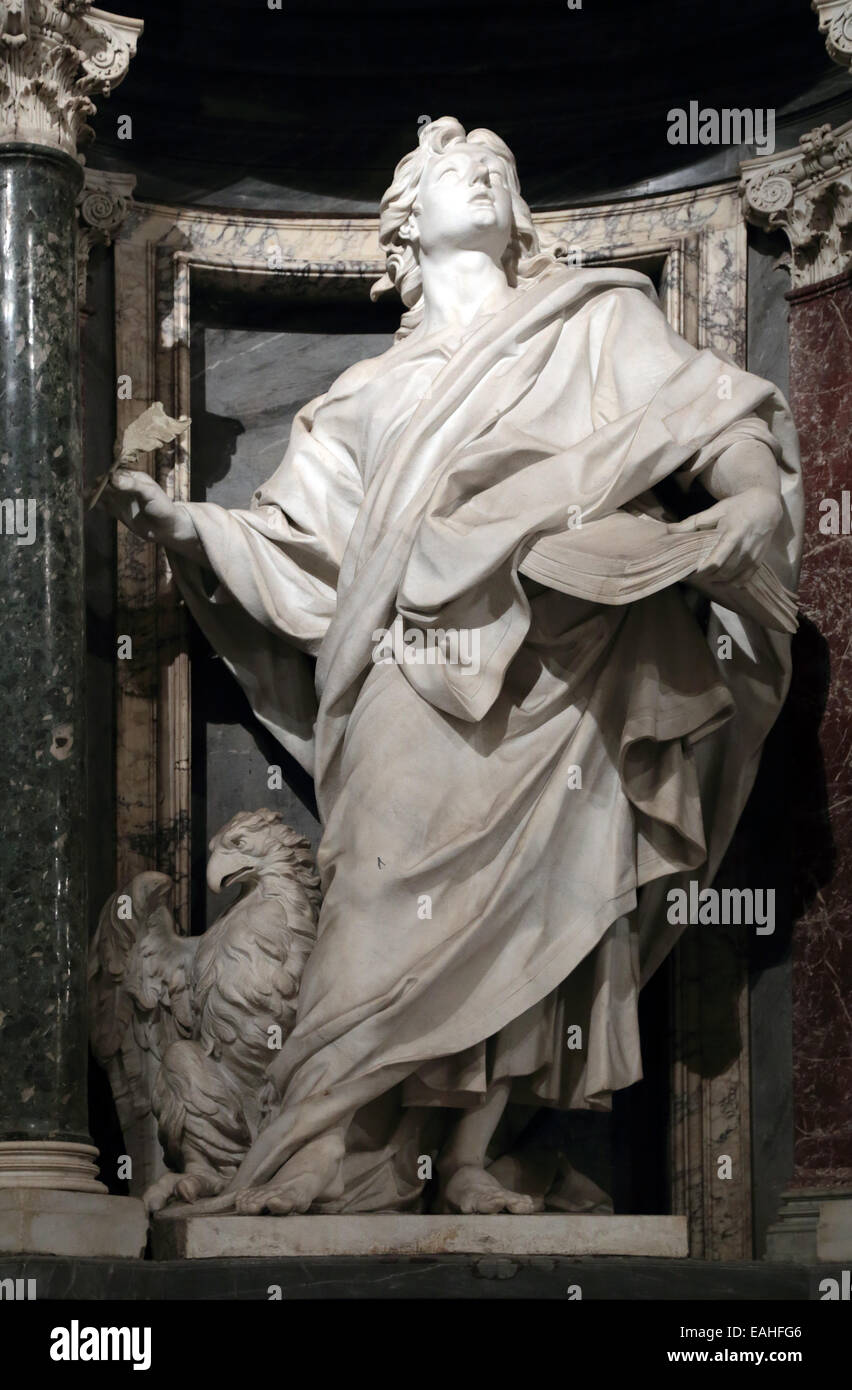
(247, 384)
(821, 369)
(767, 824)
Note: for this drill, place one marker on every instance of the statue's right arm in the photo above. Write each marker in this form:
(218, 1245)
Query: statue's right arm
(138, 500)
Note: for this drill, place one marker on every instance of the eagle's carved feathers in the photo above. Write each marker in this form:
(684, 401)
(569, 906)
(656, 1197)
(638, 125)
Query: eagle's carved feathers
(186, 1027)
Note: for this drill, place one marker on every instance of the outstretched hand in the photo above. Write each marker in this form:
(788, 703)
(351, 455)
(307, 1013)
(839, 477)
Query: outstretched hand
(138, 500)
(745, 525)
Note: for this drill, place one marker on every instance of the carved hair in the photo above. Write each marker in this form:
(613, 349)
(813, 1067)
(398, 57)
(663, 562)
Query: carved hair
(522, 258)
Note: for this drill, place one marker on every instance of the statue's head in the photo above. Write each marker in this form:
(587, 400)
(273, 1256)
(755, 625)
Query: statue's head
(456, 190)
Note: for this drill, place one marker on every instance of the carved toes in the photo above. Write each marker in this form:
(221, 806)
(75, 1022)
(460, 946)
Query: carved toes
(280, 1198)
(293, 1196)
(160, 1192)
(474, 1191)
(191, 1186)
(251, 1201)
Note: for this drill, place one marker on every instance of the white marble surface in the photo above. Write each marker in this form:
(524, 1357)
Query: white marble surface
(791, 190)
(68, 1167)
(54, 58)
(38, 1221)
(834, 1231)
(696, 245)
(212, 1237)
(835, 22)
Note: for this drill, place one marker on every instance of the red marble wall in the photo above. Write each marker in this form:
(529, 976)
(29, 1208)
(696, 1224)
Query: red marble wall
(821, 398)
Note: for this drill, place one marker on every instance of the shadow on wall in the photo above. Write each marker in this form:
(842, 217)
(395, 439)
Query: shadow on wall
(220, 704)
(214, 438)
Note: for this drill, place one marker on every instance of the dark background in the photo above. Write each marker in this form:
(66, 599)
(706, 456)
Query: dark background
(312, 105)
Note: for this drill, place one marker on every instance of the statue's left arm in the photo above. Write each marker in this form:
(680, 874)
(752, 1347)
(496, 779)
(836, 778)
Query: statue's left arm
(746, 480)
(737, 460)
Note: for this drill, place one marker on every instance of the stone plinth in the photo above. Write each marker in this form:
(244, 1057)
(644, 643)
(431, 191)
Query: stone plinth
(834, 1229)
(274, 1237)
(40, 1221)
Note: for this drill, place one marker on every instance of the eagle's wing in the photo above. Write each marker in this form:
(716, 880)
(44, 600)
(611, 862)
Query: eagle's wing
(139, 1002)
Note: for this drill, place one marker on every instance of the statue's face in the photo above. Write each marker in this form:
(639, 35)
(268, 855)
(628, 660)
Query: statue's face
(464, 202)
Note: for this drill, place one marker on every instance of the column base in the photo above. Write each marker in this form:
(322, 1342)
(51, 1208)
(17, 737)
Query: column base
(49, 1163)
(813, 1224)
(37, 1222)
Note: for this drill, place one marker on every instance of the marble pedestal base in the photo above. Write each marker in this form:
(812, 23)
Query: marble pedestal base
(813, 1224)
(216, 1237)
(50, 1164)
(38, 1221)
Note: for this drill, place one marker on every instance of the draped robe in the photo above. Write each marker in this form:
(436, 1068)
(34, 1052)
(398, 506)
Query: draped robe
(476, 900)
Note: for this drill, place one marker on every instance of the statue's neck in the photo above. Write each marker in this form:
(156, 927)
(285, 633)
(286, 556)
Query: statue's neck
(460, 285)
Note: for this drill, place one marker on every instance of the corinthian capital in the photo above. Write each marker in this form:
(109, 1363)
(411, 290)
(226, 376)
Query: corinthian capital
(53, 55)
(808, 193)
(835, 21)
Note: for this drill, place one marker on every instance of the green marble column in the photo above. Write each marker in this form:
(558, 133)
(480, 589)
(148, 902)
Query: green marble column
(54, 55)
(43, 919)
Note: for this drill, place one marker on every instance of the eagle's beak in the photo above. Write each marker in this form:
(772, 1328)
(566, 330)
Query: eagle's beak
(227, 866)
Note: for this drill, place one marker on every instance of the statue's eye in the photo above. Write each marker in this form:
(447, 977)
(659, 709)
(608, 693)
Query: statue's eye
(450, 169)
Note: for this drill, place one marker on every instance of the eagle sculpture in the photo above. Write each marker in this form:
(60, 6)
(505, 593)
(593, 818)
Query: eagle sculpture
(187, 1026)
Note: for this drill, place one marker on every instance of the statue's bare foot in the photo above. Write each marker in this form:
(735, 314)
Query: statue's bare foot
(574, 1192)
(183, 1187)
(160, 1192)
(313, 1174)
(193, 1186)
(474, 1190)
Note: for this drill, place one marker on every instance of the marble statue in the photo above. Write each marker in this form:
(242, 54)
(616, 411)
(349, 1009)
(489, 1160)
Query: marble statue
(186, 1026)
(611, 517)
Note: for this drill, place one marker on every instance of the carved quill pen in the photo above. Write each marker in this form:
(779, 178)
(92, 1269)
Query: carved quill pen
(150, 430)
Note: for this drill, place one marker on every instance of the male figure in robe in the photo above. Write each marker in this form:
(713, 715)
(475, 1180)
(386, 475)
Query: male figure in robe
(498, 839)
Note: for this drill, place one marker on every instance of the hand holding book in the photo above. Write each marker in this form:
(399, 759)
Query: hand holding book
(744, 527)
(624, 557)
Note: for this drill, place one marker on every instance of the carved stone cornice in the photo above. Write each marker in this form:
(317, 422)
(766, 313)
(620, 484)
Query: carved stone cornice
(102, 206)
(53, 55)
(835, 21)
(808, 193)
